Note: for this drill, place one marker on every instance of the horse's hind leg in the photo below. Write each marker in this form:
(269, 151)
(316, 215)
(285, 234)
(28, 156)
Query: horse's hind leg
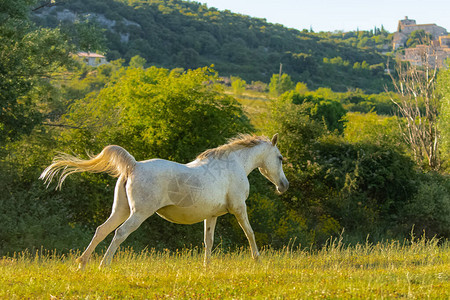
(131, 224)
(119, 214)
(142, 205)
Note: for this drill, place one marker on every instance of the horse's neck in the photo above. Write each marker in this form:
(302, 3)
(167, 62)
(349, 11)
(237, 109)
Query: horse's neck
(251, 158)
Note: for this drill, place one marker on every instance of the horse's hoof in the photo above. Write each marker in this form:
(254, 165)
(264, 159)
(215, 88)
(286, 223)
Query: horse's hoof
(104, 265)
(81, 264)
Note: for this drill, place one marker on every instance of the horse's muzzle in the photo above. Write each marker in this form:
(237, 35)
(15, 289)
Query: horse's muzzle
(283, 186)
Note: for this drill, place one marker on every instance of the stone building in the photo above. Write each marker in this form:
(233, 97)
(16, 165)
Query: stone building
(444, 41)
(92, 59)
(434, 54)
(407, 26)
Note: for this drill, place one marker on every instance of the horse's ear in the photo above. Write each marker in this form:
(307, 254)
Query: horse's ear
(275, 139)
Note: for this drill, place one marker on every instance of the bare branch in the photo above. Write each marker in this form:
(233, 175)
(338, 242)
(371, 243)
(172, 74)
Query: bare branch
(418, 107)
(61, 125)
(49, 3)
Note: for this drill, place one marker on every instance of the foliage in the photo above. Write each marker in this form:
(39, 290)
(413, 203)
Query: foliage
(334, 184)
(418, 37)
(156, 113)
(238, 85)
(279, 85)
(443, 90)
(85, 34)
(358, 101)
(28, 56)
(274, 223)
(374, 129)
(320, 109)
(301, 88)
(31, 216)
(429, 210)
(351, 101)
(137, 62)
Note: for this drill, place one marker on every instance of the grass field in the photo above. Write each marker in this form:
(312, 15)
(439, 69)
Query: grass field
(256, 105)
(418, 270)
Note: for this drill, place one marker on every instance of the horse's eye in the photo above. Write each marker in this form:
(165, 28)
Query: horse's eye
(280, 158)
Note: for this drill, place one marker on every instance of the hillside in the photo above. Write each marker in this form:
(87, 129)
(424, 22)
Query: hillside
(189, 35)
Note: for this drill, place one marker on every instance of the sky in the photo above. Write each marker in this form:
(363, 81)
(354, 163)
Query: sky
(346, 15)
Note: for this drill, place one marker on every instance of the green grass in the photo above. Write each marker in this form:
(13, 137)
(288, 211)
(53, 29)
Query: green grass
(256, 105)
(418, 270)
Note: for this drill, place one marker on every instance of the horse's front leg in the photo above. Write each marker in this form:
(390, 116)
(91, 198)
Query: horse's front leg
(210, 224)
(240, 213)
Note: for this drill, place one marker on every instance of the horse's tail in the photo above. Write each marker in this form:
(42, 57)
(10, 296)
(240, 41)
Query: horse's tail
(113, 160)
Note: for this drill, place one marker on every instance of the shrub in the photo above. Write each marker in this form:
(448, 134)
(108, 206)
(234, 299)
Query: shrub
(361, 186)
(327, 111)
(429, 209)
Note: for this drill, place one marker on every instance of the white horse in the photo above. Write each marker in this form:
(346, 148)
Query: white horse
(212, 185)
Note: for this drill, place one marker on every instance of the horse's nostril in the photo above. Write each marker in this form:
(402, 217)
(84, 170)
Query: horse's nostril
(285, 185)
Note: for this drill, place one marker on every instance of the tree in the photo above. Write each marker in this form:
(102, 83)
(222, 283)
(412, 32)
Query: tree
(85, 33)
(238, 85)
(278, 86)
(88, 35)
(418, 37)
(323, 110)
(28, 56)
(137, 62)
(443, 89)
(301, 88)
(418, 106)
(156, 113)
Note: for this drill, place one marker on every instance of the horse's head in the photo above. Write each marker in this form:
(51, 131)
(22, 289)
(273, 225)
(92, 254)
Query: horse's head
(272, 167)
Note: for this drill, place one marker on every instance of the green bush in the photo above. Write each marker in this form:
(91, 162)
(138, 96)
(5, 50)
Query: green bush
(319, 108)
(31, 218)
(361, 186)
(429, 209)
(274, 224)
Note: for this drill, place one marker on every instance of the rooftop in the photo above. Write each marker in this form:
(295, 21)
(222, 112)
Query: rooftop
(89, 54)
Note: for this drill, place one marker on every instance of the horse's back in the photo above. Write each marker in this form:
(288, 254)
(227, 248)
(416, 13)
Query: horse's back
(181, 193)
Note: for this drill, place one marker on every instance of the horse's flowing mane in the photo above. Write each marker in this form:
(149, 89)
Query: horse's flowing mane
(239, 142)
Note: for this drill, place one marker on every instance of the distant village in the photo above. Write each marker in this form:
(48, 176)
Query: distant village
(435, 53)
